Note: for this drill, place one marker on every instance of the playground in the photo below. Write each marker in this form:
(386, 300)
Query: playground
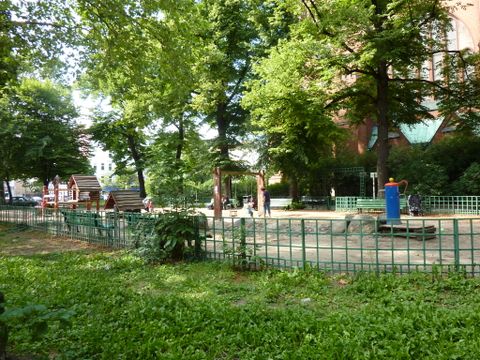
(362, 234)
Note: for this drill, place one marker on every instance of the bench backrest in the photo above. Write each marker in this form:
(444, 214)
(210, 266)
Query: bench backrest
(377, 203)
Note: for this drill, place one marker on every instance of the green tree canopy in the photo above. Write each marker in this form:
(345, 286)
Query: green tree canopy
(288, 108)
(122, 134)
(139, 56)
(40, 136)
(369, 59)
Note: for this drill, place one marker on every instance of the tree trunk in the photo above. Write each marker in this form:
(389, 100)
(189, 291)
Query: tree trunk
(137, 160)
(2, 195)
(181, 139)
(9, 190)
(383, 126)
(178, 153)
(293, 188)
(222, 125)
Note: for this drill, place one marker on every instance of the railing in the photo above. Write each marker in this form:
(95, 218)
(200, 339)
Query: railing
(104, 228)
(467, 205)
(338, 245)
(333, 245)
(346, 203)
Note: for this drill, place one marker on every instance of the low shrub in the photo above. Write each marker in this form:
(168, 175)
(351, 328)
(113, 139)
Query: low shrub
(174, 235)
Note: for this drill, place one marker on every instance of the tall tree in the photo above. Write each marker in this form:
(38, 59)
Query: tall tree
(44, 137)
(235, 33)
(373, 52)
(172, 178)
(229, 37)
(139, 56)
(121, 133)
(288, 109)
(33, 35)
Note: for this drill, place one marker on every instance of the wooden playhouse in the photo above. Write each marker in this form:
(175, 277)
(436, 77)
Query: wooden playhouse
(124, 200)
(84, 189)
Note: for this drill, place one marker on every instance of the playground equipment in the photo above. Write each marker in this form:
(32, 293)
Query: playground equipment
(54, 194)
(124, 200)
(392, 201)
(217, 188)
(85, 189)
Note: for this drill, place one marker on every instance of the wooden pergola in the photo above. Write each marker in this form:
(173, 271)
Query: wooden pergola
(217, 188)
(124, 200)
(85, 189)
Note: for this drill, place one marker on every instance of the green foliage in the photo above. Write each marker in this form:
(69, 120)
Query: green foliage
(469, 182)
(172, 178)
(295, 205)
(139, 311)
(40, 137)
(424, 176)
(34, 35)
(465, 147)
(35, 318)
(172, 235)
(240, 255)
(432, 170)
(287, 106)
(280, 189)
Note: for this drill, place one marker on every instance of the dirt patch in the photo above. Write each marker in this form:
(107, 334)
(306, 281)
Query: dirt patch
(21, 241)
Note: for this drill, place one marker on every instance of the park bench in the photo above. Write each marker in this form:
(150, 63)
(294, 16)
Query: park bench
(377, 204)
(92, 220)
(280, 203)
(314, 201)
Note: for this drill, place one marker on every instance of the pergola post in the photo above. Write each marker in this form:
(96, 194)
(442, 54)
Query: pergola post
(217, 188)
(217, 193)
(260, 185)
(56, 185)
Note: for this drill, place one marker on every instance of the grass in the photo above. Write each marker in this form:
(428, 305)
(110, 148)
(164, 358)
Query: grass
(125, 309)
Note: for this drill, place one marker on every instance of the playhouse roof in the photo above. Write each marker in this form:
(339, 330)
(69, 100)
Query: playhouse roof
(84, 183)
(124, 200)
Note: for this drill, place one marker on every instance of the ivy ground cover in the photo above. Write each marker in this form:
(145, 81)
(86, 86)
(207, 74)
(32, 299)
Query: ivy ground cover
(125, 309)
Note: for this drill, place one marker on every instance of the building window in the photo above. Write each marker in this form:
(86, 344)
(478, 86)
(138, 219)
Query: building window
(110, 166)
(457, 38)
(103, 166)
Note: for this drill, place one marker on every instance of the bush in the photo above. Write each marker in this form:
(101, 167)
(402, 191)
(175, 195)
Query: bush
(469, 182)
(295, 205)
(424, 176)
(279, 189)
(174, 235)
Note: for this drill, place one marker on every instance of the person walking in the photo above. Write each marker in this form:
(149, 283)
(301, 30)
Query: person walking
(266, 202)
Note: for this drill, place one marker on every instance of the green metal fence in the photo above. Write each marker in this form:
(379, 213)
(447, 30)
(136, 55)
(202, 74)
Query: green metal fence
(346, 203)
(466, 205)
(103, 228)
(338, 245)
(333, 245)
